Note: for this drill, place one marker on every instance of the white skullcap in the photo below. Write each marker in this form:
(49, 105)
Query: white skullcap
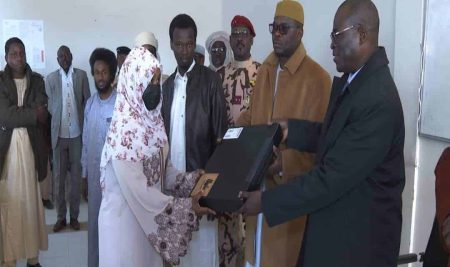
(146, 38)
(200, 49)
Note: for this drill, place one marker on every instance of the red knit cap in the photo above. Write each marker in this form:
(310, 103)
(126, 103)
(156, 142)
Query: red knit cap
(243, 21)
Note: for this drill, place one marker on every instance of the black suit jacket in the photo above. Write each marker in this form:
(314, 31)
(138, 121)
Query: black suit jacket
(206, 117)
(353, 194)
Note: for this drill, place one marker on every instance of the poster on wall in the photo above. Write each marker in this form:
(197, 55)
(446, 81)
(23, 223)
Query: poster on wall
(31, 32)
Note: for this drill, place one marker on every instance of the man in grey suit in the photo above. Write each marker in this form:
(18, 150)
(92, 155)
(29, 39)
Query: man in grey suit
(68, 90)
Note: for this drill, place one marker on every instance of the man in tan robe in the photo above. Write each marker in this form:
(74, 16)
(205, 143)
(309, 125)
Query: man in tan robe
(289, 84)
(23, 159)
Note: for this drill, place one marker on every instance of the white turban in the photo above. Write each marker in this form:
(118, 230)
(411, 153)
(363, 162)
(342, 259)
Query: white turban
(146, 38)
(224, 37)
(200, 49)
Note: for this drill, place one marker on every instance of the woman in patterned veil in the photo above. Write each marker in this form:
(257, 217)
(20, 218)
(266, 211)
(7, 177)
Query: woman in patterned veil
(139, 224)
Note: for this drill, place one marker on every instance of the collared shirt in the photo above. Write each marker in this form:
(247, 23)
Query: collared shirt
(97, 118)
(352, 76)
(178, 121)
(276, 82)
(70, 125)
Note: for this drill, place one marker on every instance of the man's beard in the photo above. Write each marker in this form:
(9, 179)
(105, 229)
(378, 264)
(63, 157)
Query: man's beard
(104, 89)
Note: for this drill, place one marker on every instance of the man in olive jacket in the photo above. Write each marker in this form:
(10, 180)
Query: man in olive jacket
(23, 159)
(11, 116)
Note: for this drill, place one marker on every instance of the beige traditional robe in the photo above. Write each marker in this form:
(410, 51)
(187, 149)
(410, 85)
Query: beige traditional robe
(302, 92)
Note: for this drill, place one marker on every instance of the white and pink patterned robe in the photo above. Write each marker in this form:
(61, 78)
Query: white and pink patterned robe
(145, 216)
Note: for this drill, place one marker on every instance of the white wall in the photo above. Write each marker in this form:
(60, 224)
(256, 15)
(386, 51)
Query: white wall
(421, 154)
(317, 28)
(85, 24)
(408, 34)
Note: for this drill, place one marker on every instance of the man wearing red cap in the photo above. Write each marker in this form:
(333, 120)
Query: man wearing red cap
(238, 79)
(289, 85)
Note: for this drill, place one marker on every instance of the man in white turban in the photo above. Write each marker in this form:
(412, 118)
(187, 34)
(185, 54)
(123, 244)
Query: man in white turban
(199, 55)
(219, 49)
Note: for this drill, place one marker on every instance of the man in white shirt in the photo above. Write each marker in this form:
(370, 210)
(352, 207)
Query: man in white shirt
(68, 90)
(195, 119)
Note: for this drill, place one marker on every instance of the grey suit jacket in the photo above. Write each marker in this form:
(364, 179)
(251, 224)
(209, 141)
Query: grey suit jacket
(53, 88)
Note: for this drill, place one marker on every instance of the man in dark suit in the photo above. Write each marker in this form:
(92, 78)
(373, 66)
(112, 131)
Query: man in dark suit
(353, 193)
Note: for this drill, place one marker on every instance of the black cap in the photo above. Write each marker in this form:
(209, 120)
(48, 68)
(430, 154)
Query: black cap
(123, 50)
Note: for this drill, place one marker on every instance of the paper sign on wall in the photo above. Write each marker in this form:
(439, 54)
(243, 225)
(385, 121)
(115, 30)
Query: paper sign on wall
(31, 32)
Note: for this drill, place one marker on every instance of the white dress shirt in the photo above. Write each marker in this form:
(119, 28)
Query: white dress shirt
(352, 76)
(70, 124)
(178, 121)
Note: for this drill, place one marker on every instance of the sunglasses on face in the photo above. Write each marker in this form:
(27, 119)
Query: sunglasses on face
(240, 33)
(218, 50)
(334, 35)
(282, 28)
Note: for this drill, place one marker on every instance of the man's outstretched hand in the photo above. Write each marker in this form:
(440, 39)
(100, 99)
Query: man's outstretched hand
(252, 202)
(284, 128)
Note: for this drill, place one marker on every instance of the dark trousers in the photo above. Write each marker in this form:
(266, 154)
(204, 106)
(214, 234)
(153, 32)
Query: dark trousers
(67, 153)
(435, 255)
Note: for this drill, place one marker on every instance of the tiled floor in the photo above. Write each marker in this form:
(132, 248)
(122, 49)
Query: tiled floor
(67, 248)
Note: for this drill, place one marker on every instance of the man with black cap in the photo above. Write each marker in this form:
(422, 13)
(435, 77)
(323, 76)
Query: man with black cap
(199, 55)
(289, 84)
(122, 53)
(238, 79)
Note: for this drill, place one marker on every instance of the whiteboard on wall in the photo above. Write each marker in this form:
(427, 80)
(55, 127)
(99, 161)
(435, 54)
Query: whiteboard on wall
(84, 25)
(435, 107)
(31, 32)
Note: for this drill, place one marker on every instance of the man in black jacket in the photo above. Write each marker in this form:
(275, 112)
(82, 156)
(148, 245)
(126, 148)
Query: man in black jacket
(193, 102)
(353, 195)
(195, 119)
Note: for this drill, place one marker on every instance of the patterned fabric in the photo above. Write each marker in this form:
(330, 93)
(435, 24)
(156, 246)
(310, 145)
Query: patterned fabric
(153, 169)
(135, 134)
(231, 240)
(185, 182)
(238, 79)
(175, 227)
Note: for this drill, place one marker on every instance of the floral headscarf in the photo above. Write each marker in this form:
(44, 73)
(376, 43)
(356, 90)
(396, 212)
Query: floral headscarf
(135, 134)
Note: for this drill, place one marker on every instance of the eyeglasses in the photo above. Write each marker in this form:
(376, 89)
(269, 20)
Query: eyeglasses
(282, 28)
(240, 33)
(334, 35)
(218, 50)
